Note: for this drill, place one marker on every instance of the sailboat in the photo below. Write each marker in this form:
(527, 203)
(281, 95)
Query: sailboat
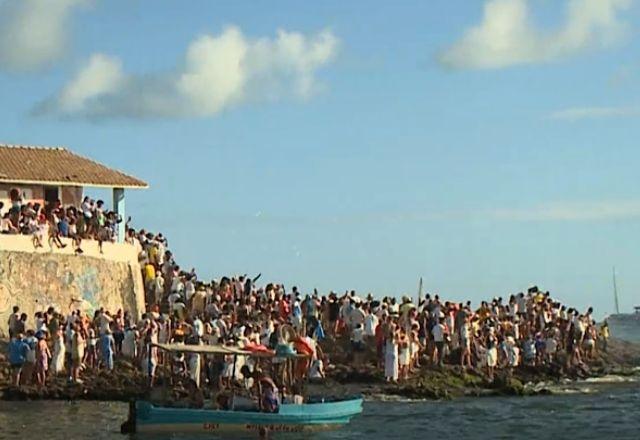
(622, 318)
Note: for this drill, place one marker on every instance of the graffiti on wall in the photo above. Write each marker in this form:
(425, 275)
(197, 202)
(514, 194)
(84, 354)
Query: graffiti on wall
(35, 282)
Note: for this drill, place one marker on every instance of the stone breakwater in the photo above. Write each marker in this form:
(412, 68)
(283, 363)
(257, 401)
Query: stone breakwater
(126, 382)
(621, 359)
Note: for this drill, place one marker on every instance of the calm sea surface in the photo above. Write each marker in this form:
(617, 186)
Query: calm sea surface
(588, 410)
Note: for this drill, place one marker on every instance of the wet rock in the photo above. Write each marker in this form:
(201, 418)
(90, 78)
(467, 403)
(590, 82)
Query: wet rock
(346, 378)
(117, 385)
(453, 381)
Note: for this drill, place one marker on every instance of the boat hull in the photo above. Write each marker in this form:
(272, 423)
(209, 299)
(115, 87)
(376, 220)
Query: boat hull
(291, 418)
(228, 428)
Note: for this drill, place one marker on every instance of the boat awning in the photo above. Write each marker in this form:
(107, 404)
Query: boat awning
(220, 349)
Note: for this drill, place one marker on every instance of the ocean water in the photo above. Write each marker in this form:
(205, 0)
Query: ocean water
(629, 331)
(597, 409)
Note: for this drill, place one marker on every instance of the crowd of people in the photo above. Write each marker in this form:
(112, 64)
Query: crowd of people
(397, 337)
(528, 329)
(50, 222)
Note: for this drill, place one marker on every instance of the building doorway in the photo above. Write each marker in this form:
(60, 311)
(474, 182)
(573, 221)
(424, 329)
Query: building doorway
(51, 195)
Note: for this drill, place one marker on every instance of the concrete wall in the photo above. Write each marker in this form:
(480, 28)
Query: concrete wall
(36, 280)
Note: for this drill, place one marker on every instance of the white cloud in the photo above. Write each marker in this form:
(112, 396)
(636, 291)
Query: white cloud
(579, 113)
(506, 36)
(218, 72)
(99, 76)
(33, 32)
(572, 211)
(214, 75)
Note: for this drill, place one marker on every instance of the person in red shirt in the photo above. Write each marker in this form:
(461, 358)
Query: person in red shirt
(380, 340)
(285, 309)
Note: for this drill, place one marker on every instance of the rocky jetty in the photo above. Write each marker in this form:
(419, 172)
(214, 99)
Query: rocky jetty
(349, 377)
(621, 359)
(121, 384)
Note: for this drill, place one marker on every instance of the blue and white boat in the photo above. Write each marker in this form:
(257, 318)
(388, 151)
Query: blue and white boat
(317, 414)
(148, 418)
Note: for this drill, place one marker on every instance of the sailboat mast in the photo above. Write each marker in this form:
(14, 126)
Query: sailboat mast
(615, 291)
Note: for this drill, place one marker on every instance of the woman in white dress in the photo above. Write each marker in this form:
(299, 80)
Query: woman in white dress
(59, 351)
(492, 355)
(194, 368)
(404, 355)
(227, 372)
(129, 343)
(391, 368)
(195, 362)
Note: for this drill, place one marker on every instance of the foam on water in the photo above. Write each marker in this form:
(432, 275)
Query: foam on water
(612, 379)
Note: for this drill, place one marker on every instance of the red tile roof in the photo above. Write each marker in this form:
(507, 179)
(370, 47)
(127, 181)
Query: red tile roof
(58, 166)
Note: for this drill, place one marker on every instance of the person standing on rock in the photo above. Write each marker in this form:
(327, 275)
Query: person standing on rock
(118, 330)
(21, 325)
(465, 343)
(42, 358)
(438, 333)
(391, 367)
(107, 348)
(604, 335)
(77, 353)
(150, 351)
(404, 354)
(492, 355)
(14, 319)
(18, 350)
(59, 351)
(103, 321)
(30, 361)
(129, 344)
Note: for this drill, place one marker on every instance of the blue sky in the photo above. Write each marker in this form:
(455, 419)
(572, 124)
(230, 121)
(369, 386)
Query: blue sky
(483, 145)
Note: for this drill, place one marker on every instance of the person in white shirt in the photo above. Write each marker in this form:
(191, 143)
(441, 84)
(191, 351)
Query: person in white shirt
(438, 333)
(198, 326)
(465, 343)
(173, 298)
(316, 370)
(357, 343)
(104, 321)
(179, 308)
(189, 288)
(394, 307)
(551, 346)
(222, 327)
(357, 316)
(158, 287)
(129, 343)
(371, 322)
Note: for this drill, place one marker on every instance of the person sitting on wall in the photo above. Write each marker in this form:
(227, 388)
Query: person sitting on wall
(7, 226)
